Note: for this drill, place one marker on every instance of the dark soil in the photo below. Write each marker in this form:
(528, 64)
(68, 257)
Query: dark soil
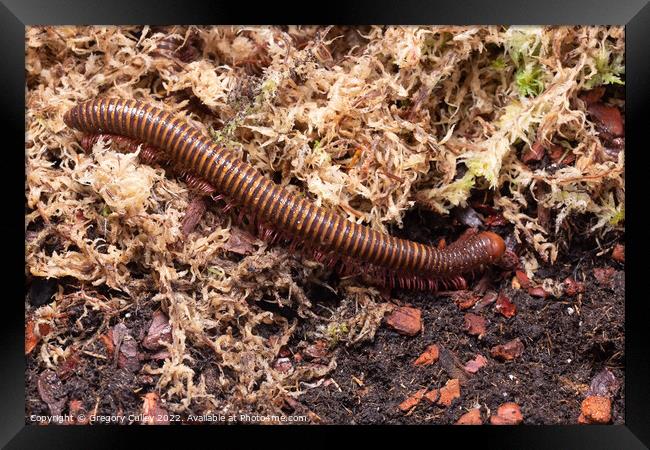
(549, 380)
(567, 341)
(94, 376)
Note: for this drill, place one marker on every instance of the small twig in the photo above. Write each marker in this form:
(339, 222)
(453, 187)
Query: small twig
(94, 355)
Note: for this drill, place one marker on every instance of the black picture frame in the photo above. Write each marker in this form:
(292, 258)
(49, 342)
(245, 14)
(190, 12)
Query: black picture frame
(16, 14)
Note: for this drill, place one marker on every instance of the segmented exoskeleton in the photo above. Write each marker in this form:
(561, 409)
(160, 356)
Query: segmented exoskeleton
(389, 260)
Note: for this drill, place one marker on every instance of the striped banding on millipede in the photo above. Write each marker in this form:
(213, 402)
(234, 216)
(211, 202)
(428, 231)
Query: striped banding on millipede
(188, 148)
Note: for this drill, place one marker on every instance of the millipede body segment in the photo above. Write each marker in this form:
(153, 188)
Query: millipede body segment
(412, 264)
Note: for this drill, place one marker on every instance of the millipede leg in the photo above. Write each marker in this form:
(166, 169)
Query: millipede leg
(87, 141)
(149, 155)
(230, 205)
(267, 233)
(459, 282)
(293, 245)
(199, 185)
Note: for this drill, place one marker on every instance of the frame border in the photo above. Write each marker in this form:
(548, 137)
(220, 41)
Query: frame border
(15, 15)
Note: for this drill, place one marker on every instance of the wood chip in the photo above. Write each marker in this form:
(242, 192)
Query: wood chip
(405, 320)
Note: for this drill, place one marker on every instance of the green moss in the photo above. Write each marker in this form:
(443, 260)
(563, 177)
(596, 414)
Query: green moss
(435, 42)
(465, 184)
(446, 37)
(529, 80)
(227, 134)
(606, 72)
(618, 217)
(106, 211)
(499, 63)
(522, 43)
(217, 272)
(443, 198)
(429, 44)
(269, 87)
(336, 331)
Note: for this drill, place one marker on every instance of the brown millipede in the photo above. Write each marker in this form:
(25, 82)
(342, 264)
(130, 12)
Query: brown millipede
(389, 260)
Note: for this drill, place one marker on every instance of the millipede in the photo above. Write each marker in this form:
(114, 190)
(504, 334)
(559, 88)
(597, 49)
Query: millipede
(274, 210)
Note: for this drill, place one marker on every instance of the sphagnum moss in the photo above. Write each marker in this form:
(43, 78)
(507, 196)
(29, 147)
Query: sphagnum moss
(396, 112)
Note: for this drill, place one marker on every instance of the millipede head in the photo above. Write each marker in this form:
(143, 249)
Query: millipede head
(495, 244)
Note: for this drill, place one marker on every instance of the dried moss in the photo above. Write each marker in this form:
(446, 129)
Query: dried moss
(366, 122)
